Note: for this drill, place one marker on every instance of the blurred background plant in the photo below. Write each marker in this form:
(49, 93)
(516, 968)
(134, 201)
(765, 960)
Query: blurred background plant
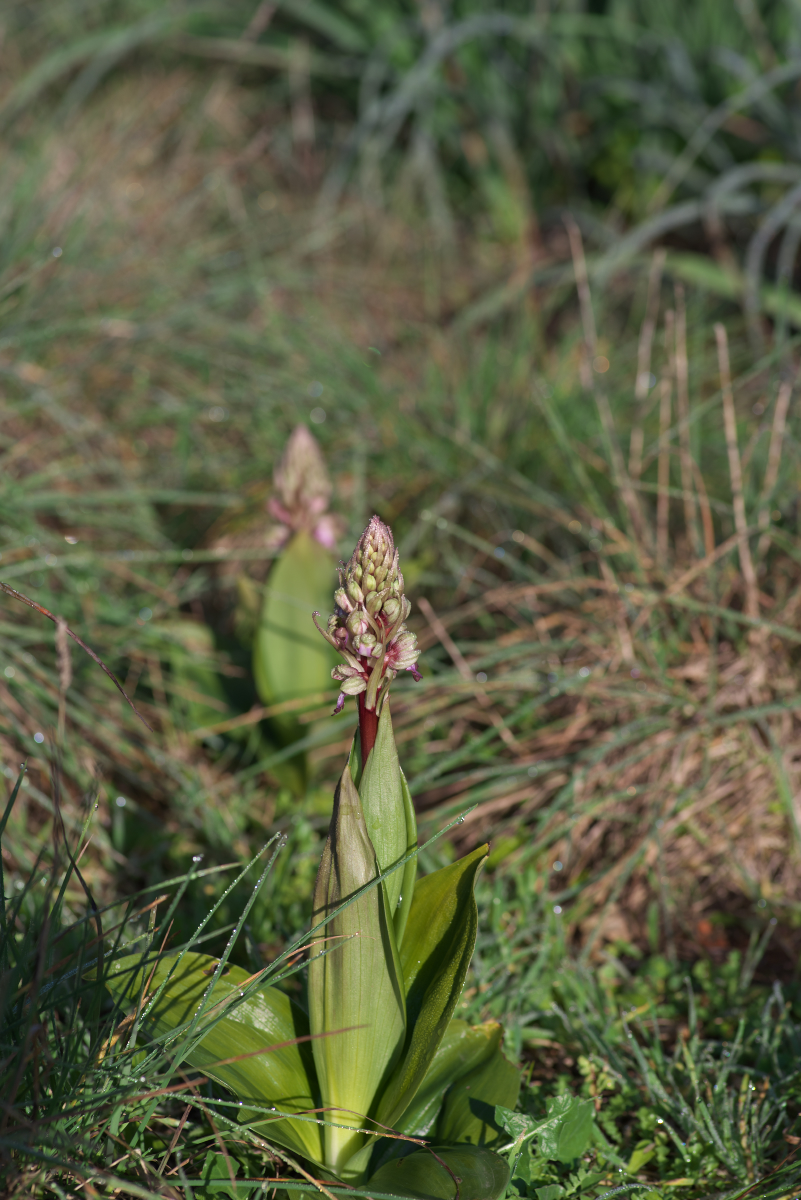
(218, 222)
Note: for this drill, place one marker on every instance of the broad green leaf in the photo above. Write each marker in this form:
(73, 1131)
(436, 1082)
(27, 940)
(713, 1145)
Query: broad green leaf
(355, 759)
(551, 1191)
(516, 1124)
(409, 872)
(283, 1078)
(436, 952)
(381, 794)
(357, 985)
(462, 1049)
(290, 658)
(482, 1174)
(569, 1136)
(468, 1113)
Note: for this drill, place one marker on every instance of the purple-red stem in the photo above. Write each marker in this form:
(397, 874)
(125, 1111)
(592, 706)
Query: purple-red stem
(368, 728)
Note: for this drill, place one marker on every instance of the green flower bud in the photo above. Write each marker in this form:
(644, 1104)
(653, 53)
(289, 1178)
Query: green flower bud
(355, 592)
(355, 622)
(392, 607)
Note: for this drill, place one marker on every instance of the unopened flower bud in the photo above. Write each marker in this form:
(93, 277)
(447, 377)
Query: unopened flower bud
(342, 600)
(353, 686)
(373, 602)
(392, 607)
(355, 622)
(302, 491)
(355, 592)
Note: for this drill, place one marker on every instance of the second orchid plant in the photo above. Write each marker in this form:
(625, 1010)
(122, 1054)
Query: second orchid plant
(371, 1081)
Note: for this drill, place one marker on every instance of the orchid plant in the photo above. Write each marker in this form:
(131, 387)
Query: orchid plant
(372, 1082)
(290, 664)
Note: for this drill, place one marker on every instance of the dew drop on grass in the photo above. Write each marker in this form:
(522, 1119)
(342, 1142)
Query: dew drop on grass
(197, 858)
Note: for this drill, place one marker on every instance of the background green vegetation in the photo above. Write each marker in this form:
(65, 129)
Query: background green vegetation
(218, 220)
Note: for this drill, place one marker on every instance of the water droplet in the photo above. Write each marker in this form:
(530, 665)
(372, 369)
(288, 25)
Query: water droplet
(197, 858)
(460, 821)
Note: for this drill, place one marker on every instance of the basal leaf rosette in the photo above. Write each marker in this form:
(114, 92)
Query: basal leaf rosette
(374, 1056)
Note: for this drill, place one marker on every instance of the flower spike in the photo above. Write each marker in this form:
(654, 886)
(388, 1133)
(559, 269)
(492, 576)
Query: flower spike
(367, 625)
(302, 491)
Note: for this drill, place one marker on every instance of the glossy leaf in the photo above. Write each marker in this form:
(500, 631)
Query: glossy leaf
(481, 1174)
(436, 952)
(355, 759)
(463, 1048)
(357, 986)
(516, 1124)
(468, 1113)
(290, 659)
(283, 1078)
(568, 1137)
(385, 813)
(409, 872)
